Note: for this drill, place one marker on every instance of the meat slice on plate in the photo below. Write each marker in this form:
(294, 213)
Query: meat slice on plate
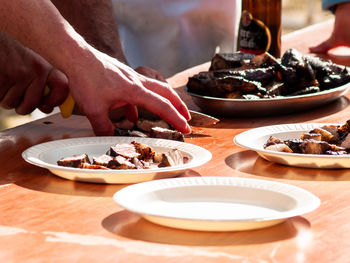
(126, 150)
(75, 161)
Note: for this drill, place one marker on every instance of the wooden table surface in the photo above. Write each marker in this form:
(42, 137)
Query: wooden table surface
(44, 218)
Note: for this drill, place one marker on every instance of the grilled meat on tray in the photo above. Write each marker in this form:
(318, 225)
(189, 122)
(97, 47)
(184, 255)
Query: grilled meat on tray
(329, 140)
(246, 76)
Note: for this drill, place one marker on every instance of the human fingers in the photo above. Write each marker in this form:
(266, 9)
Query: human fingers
(58, 85)
(131, 112)
(164, 90)
(100, 122)
(164, 109)
(14, 95)
(151, 73)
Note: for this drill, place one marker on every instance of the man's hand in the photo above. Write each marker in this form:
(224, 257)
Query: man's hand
(23, 76)
(150, 73)
(111, 84)
(341, 33)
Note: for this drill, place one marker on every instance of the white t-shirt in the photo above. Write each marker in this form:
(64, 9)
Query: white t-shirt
(172, 35)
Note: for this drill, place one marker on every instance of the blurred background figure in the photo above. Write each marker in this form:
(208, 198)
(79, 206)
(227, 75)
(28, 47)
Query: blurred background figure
(172, 35)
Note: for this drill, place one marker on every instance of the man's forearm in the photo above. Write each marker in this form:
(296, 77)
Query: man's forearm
(95, 21)
(38, 25)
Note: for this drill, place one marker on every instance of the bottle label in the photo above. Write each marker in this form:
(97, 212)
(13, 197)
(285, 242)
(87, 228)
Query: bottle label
(254, 35)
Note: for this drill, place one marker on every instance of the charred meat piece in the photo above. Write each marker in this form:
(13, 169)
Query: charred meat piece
(307, 90)
(126, 150)
(346, 141)
(146, 125)
(121, 132)
(140, 164)
(102, 160)
(230, 60)
(118, 162)
(328, 74)
(314, 147)
(76, 161)
(311, 136)
(295, 145)
(272, 141)
(280, 147)
(205, 83)
(262, 75)
(146, 152)
(325, 135)
(345, 127)
(296, 72)
(158, 132)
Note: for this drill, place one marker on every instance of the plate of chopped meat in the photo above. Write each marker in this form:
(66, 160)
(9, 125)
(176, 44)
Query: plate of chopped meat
(245, 85)
(309, 145)
(116, 160)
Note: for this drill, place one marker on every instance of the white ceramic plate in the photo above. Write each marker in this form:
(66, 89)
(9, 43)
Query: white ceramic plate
(255, 139)
(47, 154)
(216, 203)
(267, 107)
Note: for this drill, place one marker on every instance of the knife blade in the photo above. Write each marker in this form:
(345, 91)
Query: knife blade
(201, 119)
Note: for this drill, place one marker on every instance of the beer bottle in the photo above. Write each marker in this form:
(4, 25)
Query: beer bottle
(260, 27)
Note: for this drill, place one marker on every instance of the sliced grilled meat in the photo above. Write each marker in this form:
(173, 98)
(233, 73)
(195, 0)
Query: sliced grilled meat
(158, 132)
(75, 161)
(126, 150)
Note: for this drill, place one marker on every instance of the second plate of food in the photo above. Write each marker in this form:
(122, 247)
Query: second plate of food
(267, 107)
(255, 139)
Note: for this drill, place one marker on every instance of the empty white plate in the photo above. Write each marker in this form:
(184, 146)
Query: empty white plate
(216, 203)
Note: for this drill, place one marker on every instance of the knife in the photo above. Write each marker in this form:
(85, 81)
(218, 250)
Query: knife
(201, 119)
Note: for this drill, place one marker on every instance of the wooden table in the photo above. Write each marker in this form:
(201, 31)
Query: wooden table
(44, 218)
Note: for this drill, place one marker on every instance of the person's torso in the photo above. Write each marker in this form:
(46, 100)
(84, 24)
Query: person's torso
(171, 35)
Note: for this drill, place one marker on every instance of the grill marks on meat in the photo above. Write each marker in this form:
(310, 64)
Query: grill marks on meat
(126, 156)
(329, 139)
(246, 76)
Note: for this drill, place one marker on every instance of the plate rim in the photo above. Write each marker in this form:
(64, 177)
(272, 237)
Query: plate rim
(314, 201)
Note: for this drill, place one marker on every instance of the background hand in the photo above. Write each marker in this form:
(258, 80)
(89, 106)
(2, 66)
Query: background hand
(341, 33)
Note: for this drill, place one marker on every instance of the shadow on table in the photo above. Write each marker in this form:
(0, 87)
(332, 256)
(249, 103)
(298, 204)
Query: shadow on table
(45, 181)
(132, 226)
(255, 165)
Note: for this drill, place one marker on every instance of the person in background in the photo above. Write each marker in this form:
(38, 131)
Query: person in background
(173, 35)
(98, 82)
(341, 33)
